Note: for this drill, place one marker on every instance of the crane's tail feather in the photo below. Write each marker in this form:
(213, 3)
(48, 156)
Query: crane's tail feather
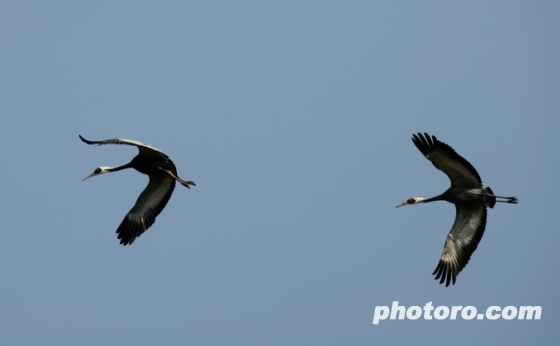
(492, 199)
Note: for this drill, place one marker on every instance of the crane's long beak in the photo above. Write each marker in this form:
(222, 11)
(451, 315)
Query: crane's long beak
(402, 204)
(89, 176)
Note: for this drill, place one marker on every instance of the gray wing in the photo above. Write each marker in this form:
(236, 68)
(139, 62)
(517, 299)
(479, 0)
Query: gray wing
(461, 242)
(444, 158)
(148, 206)
(144, 149)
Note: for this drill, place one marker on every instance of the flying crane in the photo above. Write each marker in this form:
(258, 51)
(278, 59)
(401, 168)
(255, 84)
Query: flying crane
(470, 198)
(152, 200)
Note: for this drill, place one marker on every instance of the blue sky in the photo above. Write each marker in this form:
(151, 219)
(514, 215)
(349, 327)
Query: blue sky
(294, 119)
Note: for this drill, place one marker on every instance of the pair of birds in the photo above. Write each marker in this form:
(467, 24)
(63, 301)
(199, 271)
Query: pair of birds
(468, 194)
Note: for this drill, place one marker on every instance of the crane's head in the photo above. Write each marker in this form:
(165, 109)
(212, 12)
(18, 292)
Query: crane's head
(98, 171)
(411, 201)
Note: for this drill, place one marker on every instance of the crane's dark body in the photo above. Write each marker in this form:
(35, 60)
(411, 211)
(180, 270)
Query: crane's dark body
(470, 198)
(154, 198)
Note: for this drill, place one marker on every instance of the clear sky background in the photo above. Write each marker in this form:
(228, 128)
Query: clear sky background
(294, 119)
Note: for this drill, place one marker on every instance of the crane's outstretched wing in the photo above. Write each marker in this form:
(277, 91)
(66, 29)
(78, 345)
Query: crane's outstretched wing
(461, 242)
(444, 158)
(148, 206)
(145, 149)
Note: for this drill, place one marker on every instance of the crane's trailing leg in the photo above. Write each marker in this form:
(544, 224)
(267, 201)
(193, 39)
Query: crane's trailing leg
(183, 182)
(513, 200)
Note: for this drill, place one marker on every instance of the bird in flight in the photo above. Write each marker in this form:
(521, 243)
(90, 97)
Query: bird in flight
(470, 198)
(152, 200)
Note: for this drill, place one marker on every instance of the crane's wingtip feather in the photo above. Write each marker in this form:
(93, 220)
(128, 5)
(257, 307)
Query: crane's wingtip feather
(444, 274)
(87, 141)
